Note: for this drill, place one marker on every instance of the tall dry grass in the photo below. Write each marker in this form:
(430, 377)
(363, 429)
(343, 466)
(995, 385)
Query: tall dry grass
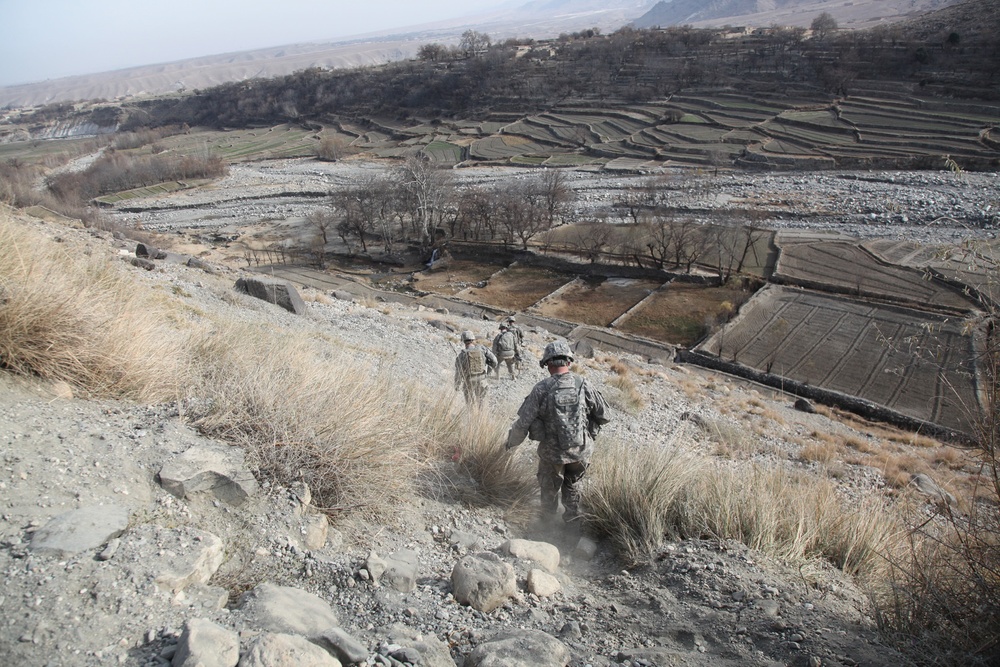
(83, 320)
(639, 496)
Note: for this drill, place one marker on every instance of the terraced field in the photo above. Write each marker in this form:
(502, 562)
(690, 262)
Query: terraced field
(919, 364)
(598, 301)
(848, 268)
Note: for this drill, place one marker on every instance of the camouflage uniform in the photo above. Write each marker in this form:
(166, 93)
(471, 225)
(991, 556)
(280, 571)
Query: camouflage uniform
(506, 349)
(564, 412)
(471, 381)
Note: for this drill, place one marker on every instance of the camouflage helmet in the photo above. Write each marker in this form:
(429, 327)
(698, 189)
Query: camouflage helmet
(555, 350)
(468, 336)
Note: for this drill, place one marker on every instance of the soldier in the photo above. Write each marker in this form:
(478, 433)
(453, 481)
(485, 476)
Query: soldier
(471, 368)
(564, 412)
(506, 349)
(519, 334)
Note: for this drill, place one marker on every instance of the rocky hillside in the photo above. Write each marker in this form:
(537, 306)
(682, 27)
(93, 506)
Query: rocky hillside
(127, 537)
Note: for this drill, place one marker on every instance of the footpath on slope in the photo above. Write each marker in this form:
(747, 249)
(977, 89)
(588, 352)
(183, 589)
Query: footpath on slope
(180, 563)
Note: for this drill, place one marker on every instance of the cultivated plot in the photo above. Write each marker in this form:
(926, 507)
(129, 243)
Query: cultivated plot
(598, 302)
(681, 313)
(919, 364)
(517, 287)
(849, 269)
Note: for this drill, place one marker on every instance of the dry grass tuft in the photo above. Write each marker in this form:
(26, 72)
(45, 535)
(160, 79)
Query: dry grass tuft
(83, 320)
(639, 496)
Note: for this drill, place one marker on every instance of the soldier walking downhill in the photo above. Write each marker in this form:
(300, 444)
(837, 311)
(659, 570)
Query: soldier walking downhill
(564, 412)
(519, 334)
(506, 349)
(472, 365)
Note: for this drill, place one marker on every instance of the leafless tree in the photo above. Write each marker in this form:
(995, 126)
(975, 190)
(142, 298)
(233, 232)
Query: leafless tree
(428, 188)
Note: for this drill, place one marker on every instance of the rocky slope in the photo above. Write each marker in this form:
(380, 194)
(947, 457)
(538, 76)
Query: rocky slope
(118, 549)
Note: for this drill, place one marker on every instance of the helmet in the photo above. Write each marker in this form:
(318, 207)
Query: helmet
(503, 327)
(556, 350)
(468, 336)
(510, 318)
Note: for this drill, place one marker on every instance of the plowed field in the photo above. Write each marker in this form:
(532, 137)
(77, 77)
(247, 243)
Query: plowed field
(917, 363)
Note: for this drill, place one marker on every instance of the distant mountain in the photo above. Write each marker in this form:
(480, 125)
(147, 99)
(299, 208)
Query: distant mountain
(762, 13)
(538, 19)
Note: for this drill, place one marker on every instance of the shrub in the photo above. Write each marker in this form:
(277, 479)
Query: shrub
(83, 320)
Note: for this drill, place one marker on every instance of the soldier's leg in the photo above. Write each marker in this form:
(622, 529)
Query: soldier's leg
(550, 479)
(572, 474)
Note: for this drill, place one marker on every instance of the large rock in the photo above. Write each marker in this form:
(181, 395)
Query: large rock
(401, 571)
(175, 559)
(543, 553)
(542, 584)
(218, 471)
(279, 292)
(205, 644)
(339, 643)
(483, 581)
(286, 609)
(283, 650)
(433, 652)
(523, 648)
(80, 530)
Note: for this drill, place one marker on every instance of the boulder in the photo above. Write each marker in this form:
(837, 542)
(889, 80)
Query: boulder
(523, 648)
(286, 609)
(80, 530)
(433, 652)
(483, 581)
(542, 584)
(217, 471)
(142, 263)
(543, 553)
(283, 650)
(147, 251)
(279, 292)
(927, 486)
(204, 644)
(342, 645)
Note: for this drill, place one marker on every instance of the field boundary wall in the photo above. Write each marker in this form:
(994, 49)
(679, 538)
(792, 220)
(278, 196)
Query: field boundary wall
(859, 406)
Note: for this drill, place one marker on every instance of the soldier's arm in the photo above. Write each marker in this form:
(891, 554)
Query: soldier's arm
(491, 359)
(597, 407)
(525, 415)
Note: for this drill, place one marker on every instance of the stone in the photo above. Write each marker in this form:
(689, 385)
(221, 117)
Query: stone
(523, 648)
(286, 609)
(433, 652)
(220, 472)
(142, 263)
(803, 405)
(401, 571)
(483, 581)
(585, 549)
(284, 650)
(542, 584)
(80, 530)
(315, 530)
(279, 292)
(205, 644)
(186, 556)
(543, 553)
(337, 642)
(927, 486)
(147, 251)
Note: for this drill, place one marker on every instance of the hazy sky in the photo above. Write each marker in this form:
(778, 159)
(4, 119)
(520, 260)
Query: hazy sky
(47, 39)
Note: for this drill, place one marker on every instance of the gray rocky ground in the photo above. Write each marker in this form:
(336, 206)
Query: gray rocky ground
(136, 575)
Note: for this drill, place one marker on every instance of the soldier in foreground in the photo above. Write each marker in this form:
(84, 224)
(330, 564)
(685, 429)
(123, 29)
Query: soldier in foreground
(472, 365)
(564, 412)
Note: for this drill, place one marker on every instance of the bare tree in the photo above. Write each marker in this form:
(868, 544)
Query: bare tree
(474, 43)
(428, 188)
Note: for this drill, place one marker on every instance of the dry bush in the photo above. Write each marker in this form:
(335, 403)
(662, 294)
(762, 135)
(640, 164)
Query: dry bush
(626, 396)
(639, 496)
(503, 478)
(83, 320)
(305, 413)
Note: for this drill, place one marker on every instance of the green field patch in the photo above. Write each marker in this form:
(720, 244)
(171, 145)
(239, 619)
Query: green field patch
(441, 152)
(504, 146)
(572, 160)
(151, 191)
(528, 160)
(813, 137)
